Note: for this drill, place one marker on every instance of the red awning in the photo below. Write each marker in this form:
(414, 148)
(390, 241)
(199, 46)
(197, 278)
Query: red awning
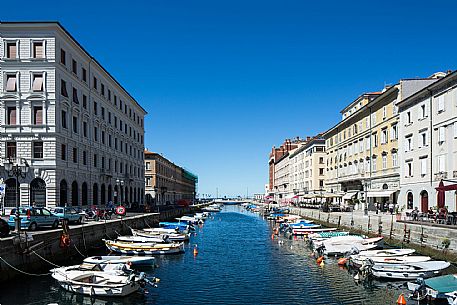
(442, 187)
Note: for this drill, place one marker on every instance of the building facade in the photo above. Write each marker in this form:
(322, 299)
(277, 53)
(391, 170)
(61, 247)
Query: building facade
(362, 150)
(428, 125)
(78, 129)
(167, 183)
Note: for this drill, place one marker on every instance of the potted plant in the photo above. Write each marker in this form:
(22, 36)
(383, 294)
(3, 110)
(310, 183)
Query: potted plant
(399, 211)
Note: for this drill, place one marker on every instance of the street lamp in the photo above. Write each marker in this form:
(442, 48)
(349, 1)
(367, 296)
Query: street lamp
(119, 183)
(17, 170)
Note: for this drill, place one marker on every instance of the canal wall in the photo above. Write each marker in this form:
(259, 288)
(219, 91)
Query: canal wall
(427, 239)
(43, 250)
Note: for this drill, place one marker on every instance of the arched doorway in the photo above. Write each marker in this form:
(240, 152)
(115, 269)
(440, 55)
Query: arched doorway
(63, 193)
(95, 194)
(38, 192)
(409, 200)
(10, 193)
(84, 195)
(74, 193)
(424, 201)
(116, 194)
(110, 193)
(103, 194)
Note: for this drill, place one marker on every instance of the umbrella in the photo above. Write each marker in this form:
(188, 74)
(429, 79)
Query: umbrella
(441, 195)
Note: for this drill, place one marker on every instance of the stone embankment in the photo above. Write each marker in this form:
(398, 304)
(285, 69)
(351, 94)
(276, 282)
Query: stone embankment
(426, 238)
(43, 250)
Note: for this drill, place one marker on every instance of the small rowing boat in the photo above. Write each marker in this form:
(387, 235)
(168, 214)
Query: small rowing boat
(144, 248)
(121, 259)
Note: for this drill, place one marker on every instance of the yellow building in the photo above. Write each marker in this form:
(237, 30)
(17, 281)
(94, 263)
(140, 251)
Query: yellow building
(362, 149)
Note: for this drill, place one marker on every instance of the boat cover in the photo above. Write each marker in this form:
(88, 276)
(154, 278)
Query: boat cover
(443, 284)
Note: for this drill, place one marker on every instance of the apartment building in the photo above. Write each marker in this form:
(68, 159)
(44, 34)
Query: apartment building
(63, 114)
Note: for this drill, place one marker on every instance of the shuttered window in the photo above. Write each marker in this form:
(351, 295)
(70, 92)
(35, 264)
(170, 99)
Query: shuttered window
(38, 150)
(75, 96)
(423, 166)
(11, 50)
(11, 83)
(441, 134)
(37, 82)
(11, 150)
(38, 50)
(37, 115)
(11, 115)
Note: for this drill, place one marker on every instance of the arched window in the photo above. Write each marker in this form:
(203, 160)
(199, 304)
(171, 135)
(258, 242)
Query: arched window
(63, 193)
(38, 192)
(74, 193)
(84, 195)
(95, 194)
(409, 200)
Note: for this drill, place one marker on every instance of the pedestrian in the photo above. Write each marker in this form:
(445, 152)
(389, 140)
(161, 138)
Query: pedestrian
(391, 208)
(33, 204)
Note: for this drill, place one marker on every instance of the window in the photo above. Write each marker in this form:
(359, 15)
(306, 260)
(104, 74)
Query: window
(37, 82)
(408, 117)
(74, 66)
(95, 83)
(95, 134)
(115, 143)
(115, 100)
(75, 124)
(373, 168)
(367, 165)
(375, 139)
(95, 108)
(441, 134)
(423, 112)
(11, 83)
(62, 57)
(109, 140)
(384, 112)
(394, 132)
(109, 95)
(394, 159)
(148, 181)
(361, 146)
(63, 88)
(63, 152)
(321, 171)
(422, 139)
(373, 119)
(409, 169)
(384, 161)
(384, 136)
(64, 119)
(37, 115)
(423, 162)
(148, 165)
(395, 111)
(103, 137)
(85, 129)
(75, 96)
(11, 50)
(95, 160)
(38, 150)
(84, 157)
(103, 162)
(11, 116)
(442, 163)
(102, 89)
(408, 143)
(440, 103)
(103, 112)
(321, 160)
(115, 121)
(84, 101)
(11, 150)
(75, 155)
(109, 117)
(84, 74)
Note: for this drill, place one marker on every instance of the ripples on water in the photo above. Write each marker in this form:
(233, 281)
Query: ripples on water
(237, 263)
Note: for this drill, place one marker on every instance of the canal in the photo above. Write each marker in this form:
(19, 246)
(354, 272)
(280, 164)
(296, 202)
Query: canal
(237, 263)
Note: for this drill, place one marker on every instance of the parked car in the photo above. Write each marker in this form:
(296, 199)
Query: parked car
(33, 217)
(4, 228)
(68, 213)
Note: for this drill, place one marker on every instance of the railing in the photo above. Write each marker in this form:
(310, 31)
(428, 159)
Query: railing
(440, 176)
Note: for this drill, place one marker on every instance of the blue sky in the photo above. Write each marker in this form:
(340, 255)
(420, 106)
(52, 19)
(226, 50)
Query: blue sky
(223, 81)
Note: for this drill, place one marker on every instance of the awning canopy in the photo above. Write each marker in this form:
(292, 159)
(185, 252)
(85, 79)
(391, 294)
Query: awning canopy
(380, 194)
(349, 195)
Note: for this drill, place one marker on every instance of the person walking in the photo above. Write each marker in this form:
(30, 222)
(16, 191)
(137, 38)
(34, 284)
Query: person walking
(391, 208)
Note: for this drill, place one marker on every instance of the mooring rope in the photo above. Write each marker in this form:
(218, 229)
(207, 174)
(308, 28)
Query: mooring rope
(45, 259)
(23, 272)
(78, 251)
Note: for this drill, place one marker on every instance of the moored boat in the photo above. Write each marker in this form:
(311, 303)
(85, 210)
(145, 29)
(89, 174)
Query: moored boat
(144, 248)
(121, 259)
(408, 271)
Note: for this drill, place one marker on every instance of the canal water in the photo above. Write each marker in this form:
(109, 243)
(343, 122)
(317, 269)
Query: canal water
(237, 263)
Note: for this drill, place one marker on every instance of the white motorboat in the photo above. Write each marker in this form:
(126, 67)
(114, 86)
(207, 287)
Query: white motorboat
(144, 248)
(121, 259)
(357, 259)
(408, 271)
(159, 239)
(387, 252)
(99, 282)
(172, 237)
(341, 245)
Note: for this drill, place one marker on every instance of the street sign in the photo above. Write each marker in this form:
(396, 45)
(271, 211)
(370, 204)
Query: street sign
(2, 189)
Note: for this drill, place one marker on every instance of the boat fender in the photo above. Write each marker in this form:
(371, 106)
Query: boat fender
(65, 240)
(320, 259)
(195, 250)
(342, 261)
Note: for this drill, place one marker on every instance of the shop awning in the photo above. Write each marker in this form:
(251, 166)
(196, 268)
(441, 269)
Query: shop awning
(349, 195)
(380, 194)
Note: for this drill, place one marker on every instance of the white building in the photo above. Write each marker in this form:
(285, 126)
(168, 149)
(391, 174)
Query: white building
(429, 145)
(79, 130)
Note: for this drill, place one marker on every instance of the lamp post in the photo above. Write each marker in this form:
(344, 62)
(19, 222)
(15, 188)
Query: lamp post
(119, 183)
(18, 169)
(365, 209)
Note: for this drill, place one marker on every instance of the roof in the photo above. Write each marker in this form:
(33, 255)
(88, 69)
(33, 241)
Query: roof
(60, 26)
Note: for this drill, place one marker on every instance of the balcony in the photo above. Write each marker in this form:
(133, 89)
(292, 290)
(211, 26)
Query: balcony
(440, 176)
(105, 172)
